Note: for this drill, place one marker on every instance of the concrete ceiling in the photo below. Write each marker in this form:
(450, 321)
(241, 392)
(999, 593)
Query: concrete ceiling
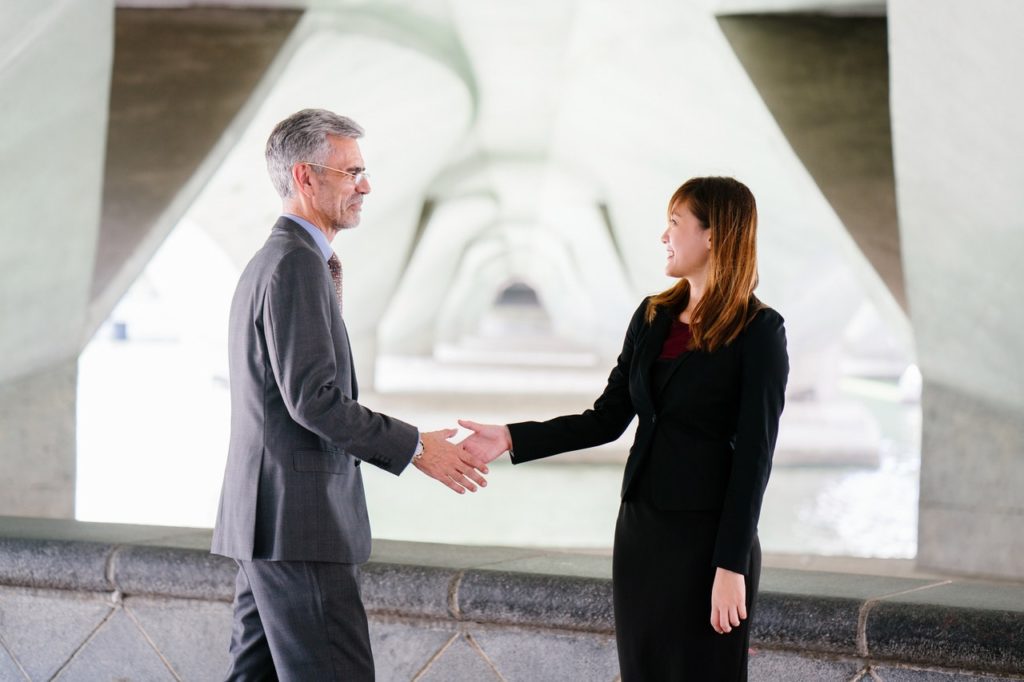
(535, 141)
(554, 155)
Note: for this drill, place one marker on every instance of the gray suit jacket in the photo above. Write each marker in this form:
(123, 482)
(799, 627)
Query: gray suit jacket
(292, 486)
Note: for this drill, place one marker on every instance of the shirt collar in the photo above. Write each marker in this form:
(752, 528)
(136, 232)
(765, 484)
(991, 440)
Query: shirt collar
(318, 236)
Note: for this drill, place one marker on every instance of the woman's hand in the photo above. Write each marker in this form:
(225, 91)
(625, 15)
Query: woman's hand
(487, 442)
(728, 601)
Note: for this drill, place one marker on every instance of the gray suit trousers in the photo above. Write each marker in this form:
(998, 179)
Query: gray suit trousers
(299, 621)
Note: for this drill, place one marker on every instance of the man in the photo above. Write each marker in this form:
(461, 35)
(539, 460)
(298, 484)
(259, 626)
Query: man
(292, 510)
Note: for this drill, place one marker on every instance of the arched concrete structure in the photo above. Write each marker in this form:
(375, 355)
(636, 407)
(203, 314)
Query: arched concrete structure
(542, 137)
(545, 106)
(560, 244)
(626, 102)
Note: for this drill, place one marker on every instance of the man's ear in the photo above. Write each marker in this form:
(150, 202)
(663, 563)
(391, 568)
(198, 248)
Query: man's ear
(300, 178)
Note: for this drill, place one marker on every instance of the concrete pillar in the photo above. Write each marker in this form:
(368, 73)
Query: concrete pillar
(957, 136)
(37, 450)
(54, 76)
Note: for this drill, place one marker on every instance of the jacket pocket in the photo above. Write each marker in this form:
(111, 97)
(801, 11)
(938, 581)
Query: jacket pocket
(317, 460)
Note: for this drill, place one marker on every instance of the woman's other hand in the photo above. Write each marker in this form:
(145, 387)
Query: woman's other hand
(728, 601)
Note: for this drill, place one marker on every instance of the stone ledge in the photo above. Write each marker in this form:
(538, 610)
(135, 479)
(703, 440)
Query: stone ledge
(948, 636)
(537, 600)
(900, 621)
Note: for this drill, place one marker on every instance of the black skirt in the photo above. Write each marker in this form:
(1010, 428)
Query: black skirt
(662, 578)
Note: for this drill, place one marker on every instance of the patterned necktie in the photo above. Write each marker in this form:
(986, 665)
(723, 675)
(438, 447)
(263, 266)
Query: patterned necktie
(335, 265)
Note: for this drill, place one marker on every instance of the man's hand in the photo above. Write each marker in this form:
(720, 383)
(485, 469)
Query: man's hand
(487, 442)
(728, 600)
(447, 462)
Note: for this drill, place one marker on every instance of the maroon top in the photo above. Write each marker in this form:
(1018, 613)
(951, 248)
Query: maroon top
(677, 342)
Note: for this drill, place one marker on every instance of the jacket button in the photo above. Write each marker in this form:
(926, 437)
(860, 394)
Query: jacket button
(654, 419)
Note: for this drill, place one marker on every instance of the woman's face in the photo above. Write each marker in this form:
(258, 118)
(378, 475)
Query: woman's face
(688, 243)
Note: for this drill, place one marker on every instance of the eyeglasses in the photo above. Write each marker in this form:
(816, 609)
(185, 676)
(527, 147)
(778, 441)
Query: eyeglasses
(356, 177)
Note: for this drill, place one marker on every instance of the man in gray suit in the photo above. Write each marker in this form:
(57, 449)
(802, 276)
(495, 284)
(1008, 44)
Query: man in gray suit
(292, 509)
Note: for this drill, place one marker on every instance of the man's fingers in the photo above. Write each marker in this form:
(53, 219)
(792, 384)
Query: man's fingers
(474, 475)
(448, 433)
(466, 474)
(441, 475)
(477, 460)
(456, 472)
(451, 484)
(743, 611)
(734, 617)
(466, 483)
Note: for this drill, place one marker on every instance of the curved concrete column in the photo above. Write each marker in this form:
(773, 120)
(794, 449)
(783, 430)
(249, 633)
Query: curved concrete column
(826, 82)
(957, 134)
(54, 76)
(184, 82)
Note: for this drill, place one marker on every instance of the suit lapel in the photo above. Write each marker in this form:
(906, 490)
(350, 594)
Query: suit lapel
(673, 368)
(652, 349)
(292, 228)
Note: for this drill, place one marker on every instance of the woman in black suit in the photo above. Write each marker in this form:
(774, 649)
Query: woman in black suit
(704, 367)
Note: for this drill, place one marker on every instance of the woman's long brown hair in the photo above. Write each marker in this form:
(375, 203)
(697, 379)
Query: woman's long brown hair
(727, 208)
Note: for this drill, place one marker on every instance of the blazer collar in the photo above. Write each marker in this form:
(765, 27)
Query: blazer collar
(293, 228)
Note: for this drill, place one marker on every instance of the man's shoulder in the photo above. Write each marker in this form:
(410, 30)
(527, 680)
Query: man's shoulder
(286, 244)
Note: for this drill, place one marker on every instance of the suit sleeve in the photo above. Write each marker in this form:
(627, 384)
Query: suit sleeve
(603, 423)
(764, 372)
(297, 312)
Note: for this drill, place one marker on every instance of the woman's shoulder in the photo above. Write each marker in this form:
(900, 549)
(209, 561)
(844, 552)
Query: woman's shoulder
(768, 316)
(766, 323)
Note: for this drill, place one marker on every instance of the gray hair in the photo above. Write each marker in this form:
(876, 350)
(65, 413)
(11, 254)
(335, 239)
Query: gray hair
(303, 137)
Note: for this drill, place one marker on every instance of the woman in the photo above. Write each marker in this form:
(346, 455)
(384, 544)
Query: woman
(704, 366)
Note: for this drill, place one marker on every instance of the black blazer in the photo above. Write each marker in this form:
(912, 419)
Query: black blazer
(708, 436)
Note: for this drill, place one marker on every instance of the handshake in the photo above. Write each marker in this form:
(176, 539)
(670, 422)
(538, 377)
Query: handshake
(461, 466)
